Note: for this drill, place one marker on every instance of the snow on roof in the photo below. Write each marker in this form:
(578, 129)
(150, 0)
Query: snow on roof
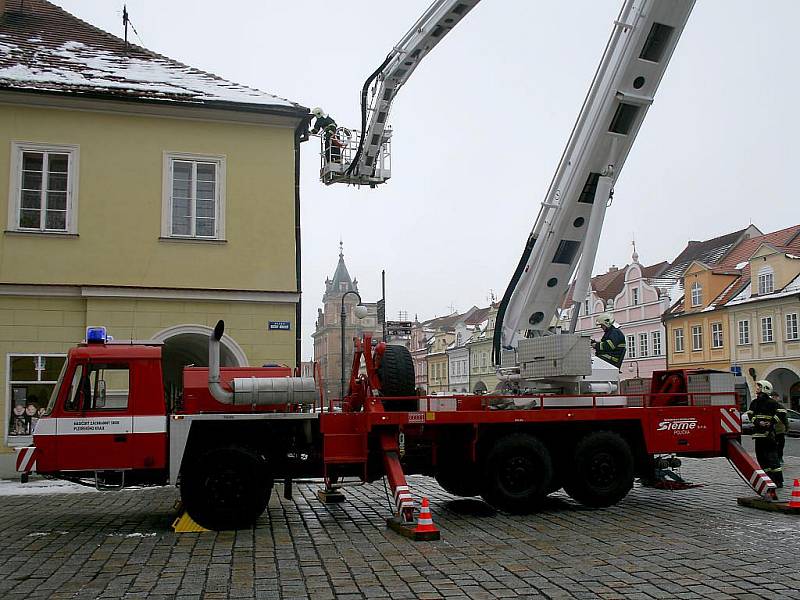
(43, 48)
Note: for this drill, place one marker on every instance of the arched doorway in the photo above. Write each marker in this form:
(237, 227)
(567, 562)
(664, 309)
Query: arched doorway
(186, 345)
(786, 383)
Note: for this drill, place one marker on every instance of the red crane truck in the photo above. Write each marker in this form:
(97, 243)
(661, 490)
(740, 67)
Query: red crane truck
(235, 431)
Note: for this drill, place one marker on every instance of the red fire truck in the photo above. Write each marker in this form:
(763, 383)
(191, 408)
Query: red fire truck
(237, 430)
(553, 424)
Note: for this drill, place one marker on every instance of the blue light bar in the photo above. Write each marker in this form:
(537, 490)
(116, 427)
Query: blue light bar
(95, 335)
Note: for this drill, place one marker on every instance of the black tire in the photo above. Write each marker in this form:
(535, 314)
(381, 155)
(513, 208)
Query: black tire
(396, 373)
(226, 488)
(517, 474)
(602, 470)
(459, 481)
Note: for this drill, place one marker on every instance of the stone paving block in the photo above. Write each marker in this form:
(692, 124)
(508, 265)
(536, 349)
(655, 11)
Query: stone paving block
(696, 543)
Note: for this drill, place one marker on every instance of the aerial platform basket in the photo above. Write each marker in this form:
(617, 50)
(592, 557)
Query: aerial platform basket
(339, 151)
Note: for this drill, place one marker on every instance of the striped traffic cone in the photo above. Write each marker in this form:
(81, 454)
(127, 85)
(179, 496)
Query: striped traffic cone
(794, 501)
(425, 520)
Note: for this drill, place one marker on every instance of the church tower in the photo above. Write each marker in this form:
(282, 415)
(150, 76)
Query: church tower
(328, 330)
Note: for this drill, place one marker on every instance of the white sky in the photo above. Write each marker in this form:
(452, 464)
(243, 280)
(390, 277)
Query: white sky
(481, 125)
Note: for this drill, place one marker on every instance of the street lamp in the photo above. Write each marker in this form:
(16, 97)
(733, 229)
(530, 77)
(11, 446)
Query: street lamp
(360, 313)
(630, 367)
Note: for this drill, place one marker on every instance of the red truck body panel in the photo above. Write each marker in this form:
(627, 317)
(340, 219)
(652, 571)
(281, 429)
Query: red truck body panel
(197, 399)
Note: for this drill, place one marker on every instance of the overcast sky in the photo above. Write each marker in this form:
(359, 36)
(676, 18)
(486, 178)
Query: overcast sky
(481, 125)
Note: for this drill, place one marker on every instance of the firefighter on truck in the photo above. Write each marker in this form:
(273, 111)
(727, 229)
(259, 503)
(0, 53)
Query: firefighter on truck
(611, 348)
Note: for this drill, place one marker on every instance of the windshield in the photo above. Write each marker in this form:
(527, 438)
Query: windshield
(52, 402)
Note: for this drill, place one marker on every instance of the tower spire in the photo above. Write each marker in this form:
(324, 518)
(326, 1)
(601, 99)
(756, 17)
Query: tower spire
(635, 255)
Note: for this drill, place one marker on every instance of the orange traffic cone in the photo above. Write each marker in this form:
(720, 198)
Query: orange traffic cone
(794, 501)
(425, 521)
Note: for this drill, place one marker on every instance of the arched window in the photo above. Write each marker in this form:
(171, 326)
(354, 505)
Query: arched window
(766, 280)
(697, 294)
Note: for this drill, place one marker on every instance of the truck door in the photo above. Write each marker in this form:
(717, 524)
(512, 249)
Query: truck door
(94, 429)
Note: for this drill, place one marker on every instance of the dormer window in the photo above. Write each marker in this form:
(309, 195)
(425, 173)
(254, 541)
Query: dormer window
(766, 281)
(697, 294)
(635, 296)
(586, 308)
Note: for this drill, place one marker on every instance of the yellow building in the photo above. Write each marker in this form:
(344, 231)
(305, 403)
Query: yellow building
(697, 334)
(744, 312)
(143, 195)
(438, 363)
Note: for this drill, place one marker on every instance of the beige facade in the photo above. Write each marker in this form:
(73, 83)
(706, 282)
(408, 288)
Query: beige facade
(482, 375)
(438, 365)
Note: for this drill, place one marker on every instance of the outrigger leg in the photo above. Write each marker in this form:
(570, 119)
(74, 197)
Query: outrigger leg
(751, 471)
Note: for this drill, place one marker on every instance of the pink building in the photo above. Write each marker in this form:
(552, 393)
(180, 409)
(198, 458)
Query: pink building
(637, 297)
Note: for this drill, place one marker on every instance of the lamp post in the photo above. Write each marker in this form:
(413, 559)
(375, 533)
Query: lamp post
(343, 318)
(630, 367)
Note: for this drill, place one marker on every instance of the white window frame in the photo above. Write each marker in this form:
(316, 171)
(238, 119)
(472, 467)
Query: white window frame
(717, 340)
(697, 338)
(743, 327)
(635, 296)
(22, 440)
(166, 193)
(656, 343)
(767, 330)
(766, 280)
(697, 294)
(792, 329)
(630, 346)
(15, 186)
(679, 337)
(644, 345)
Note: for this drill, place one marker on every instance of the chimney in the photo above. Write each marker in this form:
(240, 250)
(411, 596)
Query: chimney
(613, 269)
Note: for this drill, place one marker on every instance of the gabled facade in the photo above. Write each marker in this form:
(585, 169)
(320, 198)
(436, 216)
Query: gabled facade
(636, 296)
(458, 359)
(139, 194)
(438, 367)
(482, 375)
(743, 313)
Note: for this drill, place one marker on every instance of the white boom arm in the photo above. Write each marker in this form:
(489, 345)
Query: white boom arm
(571, 217)
(429, 30)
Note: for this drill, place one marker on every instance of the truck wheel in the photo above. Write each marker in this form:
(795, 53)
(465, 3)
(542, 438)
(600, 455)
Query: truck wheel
(602, 469)
(396, 373)
(226, 488)
(518, 473)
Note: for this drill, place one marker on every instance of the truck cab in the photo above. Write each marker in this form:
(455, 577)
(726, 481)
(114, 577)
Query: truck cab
(107, 416)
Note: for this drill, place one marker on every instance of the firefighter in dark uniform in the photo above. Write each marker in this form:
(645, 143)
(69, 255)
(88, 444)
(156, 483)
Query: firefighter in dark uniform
(611, 348)
(327, 126)
(764, 417)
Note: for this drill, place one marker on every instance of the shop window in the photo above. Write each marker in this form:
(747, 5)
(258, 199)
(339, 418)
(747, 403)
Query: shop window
(31, 381)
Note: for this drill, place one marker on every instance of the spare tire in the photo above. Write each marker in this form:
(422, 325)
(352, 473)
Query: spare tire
(396, 373)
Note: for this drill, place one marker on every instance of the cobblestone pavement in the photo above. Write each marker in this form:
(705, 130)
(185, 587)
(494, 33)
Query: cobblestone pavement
(696, 543)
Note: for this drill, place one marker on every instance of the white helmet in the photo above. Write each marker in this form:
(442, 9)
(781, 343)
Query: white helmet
(765, 386)
(317, 112)
(604, 319)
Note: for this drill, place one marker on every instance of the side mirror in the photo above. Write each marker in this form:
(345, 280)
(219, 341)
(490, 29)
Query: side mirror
(100, 398)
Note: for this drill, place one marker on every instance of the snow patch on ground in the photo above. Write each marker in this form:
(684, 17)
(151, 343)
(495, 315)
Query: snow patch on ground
(10, 487)
(132, 535)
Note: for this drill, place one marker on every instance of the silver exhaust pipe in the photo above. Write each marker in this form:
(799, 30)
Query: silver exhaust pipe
(256, 391)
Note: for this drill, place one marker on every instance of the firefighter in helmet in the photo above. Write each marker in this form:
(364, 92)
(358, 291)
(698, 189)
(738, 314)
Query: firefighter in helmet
(611, 348)
(764, 416)
(325, 124)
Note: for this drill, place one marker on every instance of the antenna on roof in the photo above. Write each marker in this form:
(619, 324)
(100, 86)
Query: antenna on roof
(126, 20)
